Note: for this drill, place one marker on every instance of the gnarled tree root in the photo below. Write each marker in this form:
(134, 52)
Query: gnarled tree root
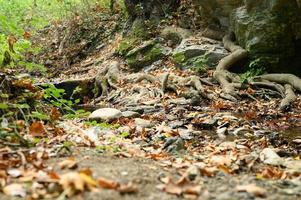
(229, 81)
(291, 82)
(291, 79)
(290, 97)
(277, 87)
(105, 79)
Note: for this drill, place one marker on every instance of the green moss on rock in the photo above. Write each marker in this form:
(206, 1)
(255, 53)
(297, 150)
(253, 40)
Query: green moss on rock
(126, 45)
(145, 57)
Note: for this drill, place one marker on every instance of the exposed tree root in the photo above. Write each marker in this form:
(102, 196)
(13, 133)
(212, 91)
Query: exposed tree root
(291, 79)
(229, 81)
(105, 79)
(290, 97)
(277, 87)
(195, 82)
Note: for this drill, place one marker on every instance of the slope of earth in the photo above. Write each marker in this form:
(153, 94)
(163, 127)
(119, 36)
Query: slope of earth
(160, 133)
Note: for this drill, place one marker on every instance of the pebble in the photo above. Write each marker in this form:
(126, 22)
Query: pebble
(105, 114)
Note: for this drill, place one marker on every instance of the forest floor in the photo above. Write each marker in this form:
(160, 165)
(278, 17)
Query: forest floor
(153, 145)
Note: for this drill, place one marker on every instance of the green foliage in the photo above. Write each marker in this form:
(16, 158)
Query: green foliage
(102, 125)
(16, 56)
(55, 97)
(254, 69)
(199, 63)
(19, 17)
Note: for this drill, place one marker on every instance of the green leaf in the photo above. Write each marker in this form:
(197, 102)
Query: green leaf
(124, 134)
(40, 116)
(3, 106)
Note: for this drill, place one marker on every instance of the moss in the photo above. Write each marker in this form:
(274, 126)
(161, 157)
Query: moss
(139, 30)
(154, 53)
(126, 45)
(179, 57)
(146, 57)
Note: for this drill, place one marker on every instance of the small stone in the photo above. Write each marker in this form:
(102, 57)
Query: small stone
(207, 123)
(297, 141)
(105, 114)
(192, 172)
(130, 114)
(221, 131)
(143, 123)
(270, 157)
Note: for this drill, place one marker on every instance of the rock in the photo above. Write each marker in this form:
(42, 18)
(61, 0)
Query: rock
(143, 123)
(269, 156)
(145, 54)
(268, 31)
(221, 131)
(228, 145)
(192, 173)
(199, 52)
(297, 141)
(176, 124)
(130, 114)
(185, 134)
(173, 144)
(175, 34)
(207, 123)
(142, 109)
(293, 166)
(105, 114)
(213, 10)
(178, 101)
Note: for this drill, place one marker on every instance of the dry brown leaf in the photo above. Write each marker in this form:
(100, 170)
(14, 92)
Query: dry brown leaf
(220, 160)
(53, 175)
(26, 35)
(37, 129)
(252, 189)
(89, 181)
(55, 114)
(25, 84)
(127, 189)
(73, 182)
(107, 184)
(15, 190)
(69, 163)
(183, 186)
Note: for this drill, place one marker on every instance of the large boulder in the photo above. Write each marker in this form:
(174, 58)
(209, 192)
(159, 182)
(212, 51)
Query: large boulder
(268, 30)
(199, 52)
(212, 10)
(145, 54)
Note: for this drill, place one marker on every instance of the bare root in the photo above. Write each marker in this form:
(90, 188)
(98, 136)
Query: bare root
(291, 79)
(229, 81)
(290, 97)
(106, 79)
(277, 87)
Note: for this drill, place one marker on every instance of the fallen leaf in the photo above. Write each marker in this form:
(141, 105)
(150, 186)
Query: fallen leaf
(127, 189)
(15, 190)
(26, 35)
(69, 163)
(37, 129)
(55, 114)
(107, 184)
(252, 189)
(183, 186)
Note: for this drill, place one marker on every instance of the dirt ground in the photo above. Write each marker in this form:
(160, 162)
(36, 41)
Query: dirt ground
(145, 173)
